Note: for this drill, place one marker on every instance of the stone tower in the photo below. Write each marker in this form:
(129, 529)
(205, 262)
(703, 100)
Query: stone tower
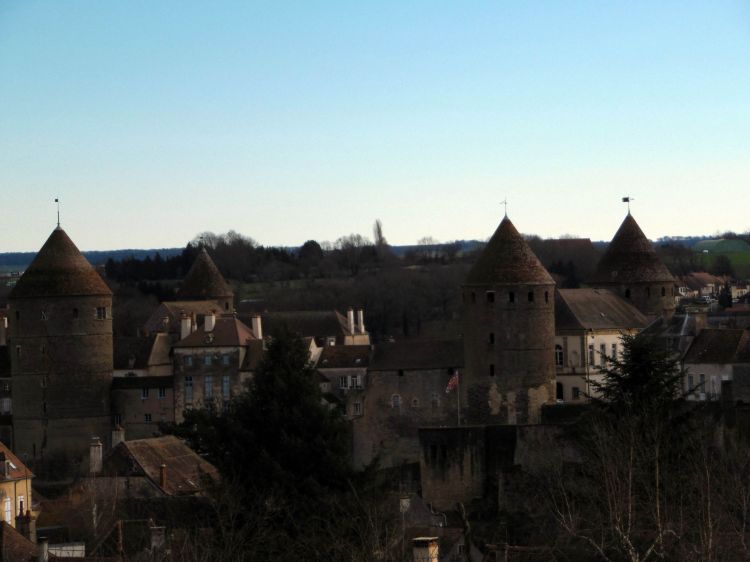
(631, 268)
(509, 333)
(205, 282)
(60, 342)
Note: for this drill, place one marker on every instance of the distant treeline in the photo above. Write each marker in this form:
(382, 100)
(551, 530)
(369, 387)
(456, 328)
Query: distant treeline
(21, 260)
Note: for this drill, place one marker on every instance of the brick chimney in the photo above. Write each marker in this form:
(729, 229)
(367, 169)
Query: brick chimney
(95, 456)
(257, 326)
(350, 321)
(3, 330)
(43, 550)
(361, 321)
(185, 326)
(209, 322)
(425, 549)
(118, 435)
(26, 524)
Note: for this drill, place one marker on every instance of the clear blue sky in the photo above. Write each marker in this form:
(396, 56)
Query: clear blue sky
(285, 121)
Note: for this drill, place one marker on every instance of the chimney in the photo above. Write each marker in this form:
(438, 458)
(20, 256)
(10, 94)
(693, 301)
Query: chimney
(118, 435)
(26, 524)
(95, 456)
(350, 320)
(361, 321)
(257, 326)
(163, 476)
(43, 551)
(158, 541)
(425, 549)
(185, 325)
(209, 322)
(3, 330)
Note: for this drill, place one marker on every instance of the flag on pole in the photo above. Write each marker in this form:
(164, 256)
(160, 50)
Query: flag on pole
(452, 382)
(626, 199)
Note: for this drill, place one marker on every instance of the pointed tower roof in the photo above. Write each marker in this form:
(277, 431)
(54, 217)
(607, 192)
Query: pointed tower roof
(507, 259)
(630, 258)
(59, 270)
(204, 281)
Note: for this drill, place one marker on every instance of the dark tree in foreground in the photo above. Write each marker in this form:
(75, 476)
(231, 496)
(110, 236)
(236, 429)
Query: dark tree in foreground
(288, 490)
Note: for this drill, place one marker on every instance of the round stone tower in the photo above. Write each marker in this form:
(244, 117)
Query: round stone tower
(509, 333)
(205, 282)
(631, 268)
(60, 342)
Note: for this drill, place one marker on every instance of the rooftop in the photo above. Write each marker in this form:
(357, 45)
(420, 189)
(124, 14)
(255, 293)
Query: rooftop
(722, 346)
(204, 281)
(595, 309)
(228, 332)
(344, 356)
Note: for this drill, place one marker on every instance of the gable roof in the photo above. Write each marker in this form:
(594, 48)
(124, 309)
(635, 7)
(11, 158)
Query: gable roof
(418, 354)
(18, 470)
(185, 468)
(59, 269)
(595, 309)
(227, 332)
(305, 323)
(172, 311)
(344, 356)
(723, 346)
(507, 259)
(14, 546)
(204, 281)
(631, 258)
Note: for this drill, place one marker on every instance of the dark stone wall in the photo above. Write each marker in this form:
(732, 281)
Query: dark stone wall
(61, 367)
(521, 350)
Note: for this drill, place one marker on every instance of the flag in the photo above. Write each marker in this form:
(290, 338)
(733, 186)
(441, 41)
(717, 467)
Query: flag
(626, 199)
(452, 382)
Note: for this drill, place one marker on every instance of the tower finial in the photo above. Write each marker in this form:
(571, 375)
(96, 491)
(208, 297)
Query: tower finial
(57, 200)
(627, 200)
(504, 202)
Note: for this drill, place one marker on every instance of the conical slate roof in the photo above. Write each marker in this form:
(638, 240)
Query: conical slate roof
(59, 270)
(204, 281)
(630, 258)
(507, 259)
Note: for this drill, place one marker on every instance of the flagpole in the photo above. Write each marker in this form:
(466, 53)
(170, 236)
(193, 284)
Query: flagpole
(458, 399)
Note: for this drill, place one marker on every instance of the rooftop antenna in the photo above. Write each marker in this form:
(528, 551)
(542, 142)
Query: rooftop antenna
(504, 202)
(627, 200)
(57, 200)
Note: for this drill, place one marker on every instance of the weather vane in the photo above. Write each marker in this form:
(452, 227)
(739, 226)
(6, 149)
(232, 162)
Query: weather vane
(504, 202)
(627, 200)
(57, 200)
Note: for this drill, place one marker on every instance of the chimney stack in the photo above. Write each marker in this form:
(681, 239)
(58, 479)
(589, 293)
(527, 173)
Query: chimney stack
(43, 551)
(163, 476)
(257, 326)
(361, 321)
(425, 549)
(3, 330)
(118, 435)
(185, 326)
(350, 320)
(95, 456)
(209, 322)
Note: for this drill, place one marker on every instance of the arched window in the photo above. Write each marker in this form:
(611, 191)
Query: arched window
(558, 356)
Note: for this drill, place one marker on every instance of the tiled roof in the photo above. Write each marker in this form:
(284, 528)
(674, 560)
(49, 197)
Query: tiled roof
(227, 332)
(18, 470)
(253, 356)
(14, 546)
(630, 258)
(699, 279)
(507, 259)
(344, 356)
(185, 468)
(173, 310)
(204, 281)
(595, 309)
(314, 323)
(418, 354)
(720, 346)
(59, 269)
(132, 352)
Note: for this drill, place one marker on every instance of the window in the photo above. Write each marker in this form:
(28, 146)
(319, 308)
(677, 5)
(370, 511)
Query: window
(395, 401)
(225, 359)
(5, 405)
(147, 418)
(511, 297)
(435, 401)
(357, 409)
(44, 314)
(627, 293)
(558, 356)
(663, 291)
(208, 387)
(357, 381)
(343, 382)
(614, 351)
(602, 355)
(492, 370)
(648, 291)
(225, 393)
(473, 297)
(400, 372)
(144, 393)
(162, 393)
(18, 351)
(576, 393)
(591, 354)
(8, 511)
(531, 296)
(75, 313)
(492, 338)
(702, 383)
(490, 296)
(546, 296)
(101, 313)
(691, 383)
(415, 402)
(206, 359)
(18, 314)
(188, 389)
(188, 360)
